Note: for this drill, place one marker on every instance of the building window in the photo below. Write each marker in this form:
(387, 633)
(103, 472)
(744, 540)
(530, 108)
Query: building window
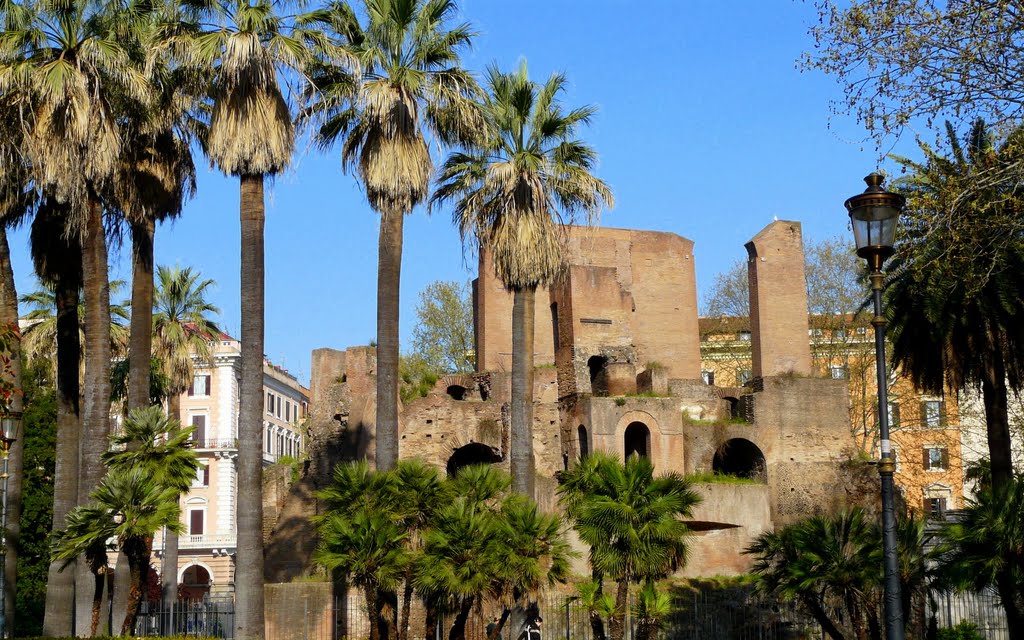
(895, 458)
(815, 332)
(554, 325)
(933, 413)
(744, 376)
(894, 414)
(199, 431)
(838, 373)
(935, 508)
(196, 522)
(278, 406)
(202, 476)
(200, 386)
(270, 402)
(287, 412)
(269, 439)
(936, 458)
(839, 333)
(708, 377)
(744, 336)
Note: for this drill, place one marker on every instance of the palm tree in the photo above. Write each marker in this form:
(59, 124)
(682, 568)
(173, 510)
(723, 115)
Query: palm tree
(86, 533)
(985, 550)
(409, 83)
(68, 61)
(508, 190)
(956, 289)
(250, 136)
(631, 521)
(129, 505)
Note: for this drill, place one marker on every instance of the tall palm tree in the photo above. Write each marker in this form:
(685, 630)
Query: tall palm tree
(408, 84)
(510, 191)
(250, 136)
(69, 60)
(956, 287)
(630, 518)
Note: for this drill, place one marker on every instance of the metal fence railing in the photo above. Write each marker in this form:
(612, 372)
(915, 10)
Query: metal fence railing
(725, 613)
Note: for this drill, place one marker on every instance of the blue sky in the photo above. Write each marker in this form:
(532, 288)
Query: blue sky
(706, 128)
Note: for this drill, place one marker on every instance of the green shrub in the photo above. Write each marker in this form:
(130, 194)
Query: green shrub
(713, 477)
(963, 631)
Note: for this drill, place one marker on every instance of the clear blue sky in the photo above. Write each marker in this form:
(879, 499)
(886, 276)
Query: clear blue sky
(706, 128)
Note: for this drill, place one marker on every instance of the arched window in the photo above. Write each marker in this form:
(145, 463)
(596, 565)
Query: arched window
(598, 381)
(473, 453)
(581, 433)
(457, 392)
(637, 440)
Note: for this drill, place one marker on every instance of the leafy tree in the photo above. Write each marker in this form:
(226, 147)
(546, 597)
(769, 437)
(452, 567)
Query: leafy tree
(408, 84)
(510, 190)
(443, 335)
(907, 59)
(630, 520)
(956, 282)
(984, 549)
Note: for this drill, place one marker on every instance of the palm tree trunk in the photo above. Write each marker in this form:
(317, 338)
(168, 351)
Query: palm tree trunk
(617, 624)
(403, 628)
(1013, 603)
(458, 630)
(373, 613)
(140, 352)
(389, 277)
(96, 410)
(169, 572)
(596, 622)
(521, 446)
(249, 514)
(96, 607)
(9, 318)
(60, 585)
(138, 563)
(994, 397)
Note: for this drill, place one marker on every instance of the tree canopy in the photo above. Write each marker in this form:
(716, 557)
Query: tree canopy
(443, 335)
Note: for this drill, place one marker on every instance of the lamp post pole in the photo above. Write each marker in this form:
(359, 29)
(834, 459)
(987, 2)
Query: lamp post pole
(8, 434)
(873, 216)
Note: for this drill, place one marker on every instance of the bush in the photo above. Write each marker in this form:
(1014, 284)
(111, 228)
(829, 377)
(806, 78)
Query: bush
(963, 631)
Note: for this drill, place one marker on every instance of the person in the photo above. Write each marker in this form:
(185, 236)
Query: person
(532, 631)
(491, 626)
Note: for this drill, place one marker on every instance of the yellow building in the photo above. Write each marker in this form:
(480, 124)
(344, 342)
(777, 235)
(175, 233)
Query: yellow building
(924, 428)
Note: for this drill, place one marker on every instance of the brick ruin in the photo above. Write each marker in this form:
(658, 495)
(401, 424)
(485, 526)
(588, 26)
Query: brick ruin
(618, 369)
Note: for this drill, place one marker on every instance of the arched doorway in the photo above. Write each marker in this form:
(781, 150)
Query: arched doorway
(637, 440)
(195, 583)
(741, 458)
(598, 380)
(472, 453)
(584, 442)
(456, 392)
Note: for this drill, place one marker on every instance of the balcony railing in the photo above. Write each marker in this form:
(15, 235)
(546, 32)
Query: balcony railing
(201, 541)
(215, 443)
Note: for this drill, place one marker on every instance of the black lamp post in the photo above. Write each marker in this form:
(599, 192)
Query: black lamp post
(874, 215)
(9, 425)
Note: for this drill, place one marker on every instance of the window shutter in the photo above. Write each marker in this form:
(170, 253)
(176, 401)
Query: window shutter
(924, 415)
(195, 522)
(927, 507)
(206, 476)
(945, 458)
(895, 415)
(207, 381)
(942, 413)
(925, 460)
(192, 387)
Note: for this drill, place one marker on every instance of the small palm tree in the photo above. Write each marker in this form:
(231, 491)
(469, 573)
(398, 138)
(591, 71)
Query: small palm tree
(128, 506)
(409, 84)
(985, 550)
(510, 191)
(87, 532)
(630, 518)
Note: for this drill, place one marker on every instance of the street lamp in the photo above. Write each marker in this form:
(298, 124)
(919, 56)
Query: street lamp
(9, 424)
(874, 215)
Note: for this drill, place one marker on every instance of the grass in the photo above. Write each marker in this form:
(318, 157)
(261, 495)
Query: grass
(709, 477)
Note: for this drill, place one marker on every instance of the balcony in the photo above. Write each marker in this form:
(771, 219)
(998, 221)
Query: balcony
(200, 541)
(215, 444)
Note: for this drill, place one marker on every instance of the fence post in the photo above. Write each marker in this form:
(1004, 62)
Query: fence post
(305, 617)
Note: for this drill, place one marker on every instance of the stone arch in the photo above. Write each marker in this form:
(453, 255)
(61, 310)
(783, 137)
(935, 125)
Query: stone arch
(583, 441)
(195, 580)
(654, 445)
(742, 458)
(636, 440)
(596, 365)
(458, 387)
(472, 453)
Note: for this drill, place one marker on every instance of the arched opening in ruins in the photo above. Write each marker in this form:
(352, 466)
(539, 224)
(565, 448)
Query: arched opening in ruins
(584, 442)
(456, 392)
(741, 458)
(598, 379)
(734, 407)
(195, 583)
(472, 453)
(637, 440)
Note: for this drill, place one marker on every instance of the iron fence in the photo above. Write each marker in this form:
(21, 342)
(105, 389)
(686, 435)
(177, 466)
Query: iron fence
(728, 614)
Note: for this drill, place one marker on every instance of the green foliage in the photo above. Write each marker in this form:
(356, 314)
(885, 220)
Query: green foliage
(620, 402)
(714, 477)
(443, 335)
(965, 630)
(151, 441)
(159, 384)
(417, 377)
(182, 324)
(40, 431)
